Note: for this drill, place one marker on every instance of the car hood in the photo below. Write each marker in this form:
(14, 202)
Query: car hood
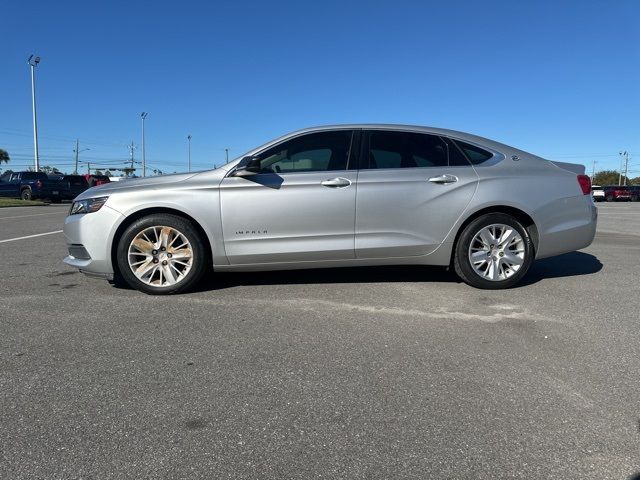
(134, 184)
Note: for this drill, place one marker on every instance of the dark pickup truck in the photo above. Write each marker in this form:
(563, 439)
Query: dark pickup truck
(31, 185)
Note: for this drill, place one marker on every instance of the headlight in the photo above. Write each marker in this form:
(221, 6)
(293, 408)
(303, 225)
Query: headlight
(88, 205)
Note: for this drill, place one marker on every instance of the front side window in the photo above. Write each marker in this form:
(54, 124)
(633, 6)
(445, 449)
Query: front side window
(314, 152)
(389, 149)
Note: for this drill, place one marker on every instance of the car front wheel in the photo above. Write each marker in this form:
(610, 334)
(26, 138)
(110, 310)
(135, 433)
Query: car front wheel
(26, 194)
(493, 252)
(161, 254)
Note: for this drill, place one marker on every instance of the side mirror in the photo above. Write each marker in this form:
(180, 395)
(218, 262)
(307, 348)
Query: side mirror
(247, 166)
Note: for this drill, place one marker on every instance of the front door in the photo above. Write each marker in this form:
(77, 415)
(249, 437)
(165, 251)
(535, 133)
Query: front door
(8, 188)
(300, 207)
(411, 190)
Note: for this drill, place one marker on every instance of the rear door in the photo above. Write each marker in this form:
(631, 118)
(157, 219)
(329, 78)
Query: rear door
(412, 187)
(300, 207)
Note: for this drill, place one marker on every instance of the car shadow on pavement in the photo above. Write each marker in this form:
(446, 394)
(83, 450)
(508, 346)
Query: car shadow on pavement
(567, 265)
(384, 274)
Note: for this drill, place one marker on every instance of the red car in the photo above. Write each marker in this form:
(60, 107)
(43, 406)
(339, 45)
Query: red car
(94, 180)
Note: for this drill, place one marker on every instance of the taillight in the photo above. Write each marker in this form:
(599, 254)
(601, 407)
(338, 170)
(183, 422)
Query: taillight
(38, 183)
(585, 184)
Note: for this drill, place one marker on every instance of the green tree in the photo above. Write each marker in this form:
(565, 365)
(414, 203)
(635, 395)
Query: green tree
(4, 156)
(108, 173)
(99, 172)
(608, 177)
(48, 170)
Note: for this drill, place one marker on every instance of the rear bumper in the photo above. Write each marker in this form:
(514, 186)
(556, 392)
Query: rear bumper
(569, 225)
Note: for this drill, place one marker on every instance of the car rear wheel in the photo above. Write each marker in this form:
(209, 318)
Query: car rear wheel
(493, 252)
(25, 194)
(161, 254)
(609, 198)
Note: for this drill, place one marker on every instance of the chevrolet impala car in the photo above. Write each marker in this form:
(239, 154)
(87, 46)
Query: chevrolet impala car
(338, 196)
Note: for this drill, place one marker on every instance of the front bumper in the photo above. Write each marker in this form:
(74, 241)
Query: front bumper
(89, 238)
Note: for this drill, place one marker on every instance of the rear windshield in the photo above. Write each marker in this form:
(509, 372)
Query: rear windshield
(75, 180)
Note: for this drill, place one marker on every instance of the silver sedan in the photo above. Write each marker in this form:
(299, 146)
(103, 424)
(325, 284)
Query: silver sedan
(337, 196)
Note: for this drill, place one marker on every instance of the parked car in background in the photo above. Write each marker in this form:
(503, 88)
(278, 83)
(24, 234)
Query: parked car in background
(425, 196)
(33, 185)
(76, 183)
(635, 193)
(617, 193)
(95, 180)
(597, 192)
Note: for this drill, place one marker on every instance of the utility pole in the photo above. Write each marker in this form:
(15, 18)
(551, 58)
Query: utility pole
(226, 155)
(143, 115)
(88, 168)
(189, 140)
(131, 149)
(77, 151)
(593, 171)
(32, 63)
(625, 157)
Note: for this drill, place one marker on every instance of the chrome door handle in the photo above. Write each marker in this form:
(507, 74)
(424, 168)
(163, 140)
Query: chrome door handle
(443, 179)
(337, 182)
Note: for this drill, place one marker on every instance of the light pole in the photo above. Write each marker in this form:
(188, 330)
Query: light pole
(33, 61)
(77, 151)
(143, 115)
(189, 139)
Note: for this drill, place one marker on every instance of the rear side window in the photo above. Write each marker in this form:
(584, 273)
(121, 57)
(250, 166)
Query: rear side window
(475, 154)
(405, 150)
(34, 176)
(456, 157)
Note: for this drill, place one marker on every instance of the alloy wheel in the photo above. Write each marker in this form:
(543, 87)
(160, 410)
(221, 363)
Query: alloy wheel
(160, 256)
(497, 252)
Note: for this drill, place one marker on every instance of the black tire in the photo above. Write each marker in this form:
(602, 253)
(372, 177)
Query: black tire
(199, 251)
(25, 194)
(609, 198)
(463, 266)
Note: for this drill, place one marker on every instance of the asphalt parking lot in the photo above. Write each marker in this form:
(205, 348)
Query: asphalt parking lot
(357, 373)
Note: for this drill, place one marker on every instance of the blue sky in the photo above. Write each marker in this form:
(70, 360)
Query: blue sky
(559, 79)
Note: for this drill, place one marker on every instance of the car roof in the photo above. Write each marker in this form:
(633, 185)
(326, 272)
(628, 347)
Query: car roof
(466, 137)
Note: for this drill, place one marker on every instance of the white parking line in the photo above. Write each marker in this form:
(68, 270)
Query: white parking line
(29, 236)
(34, 215)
